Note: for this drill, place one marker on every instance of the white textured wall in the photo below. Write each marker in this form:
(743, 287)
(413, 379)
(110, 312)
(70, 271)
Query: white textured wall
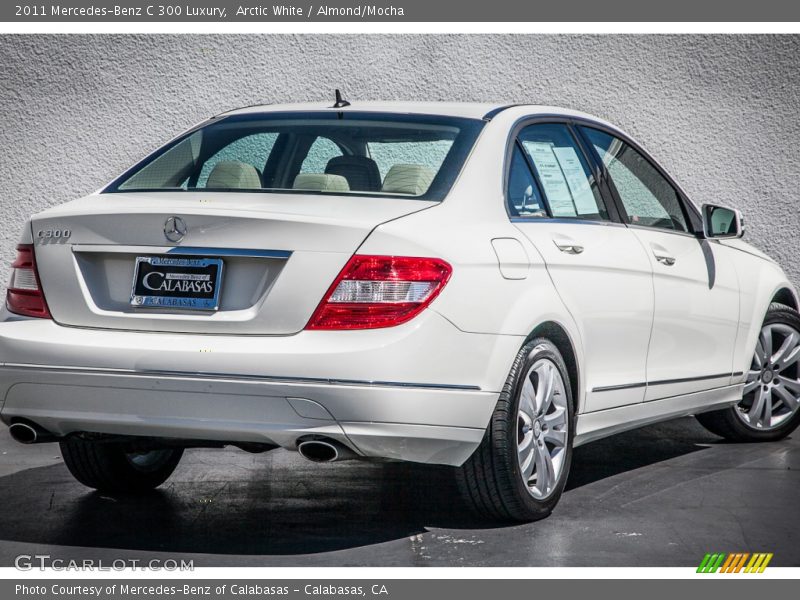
(720, 112)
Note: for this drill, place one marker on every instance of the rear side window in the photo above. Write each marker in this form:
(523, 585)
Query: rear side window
(561, 169)
(252, 150)
(523, 196)
(648, 198)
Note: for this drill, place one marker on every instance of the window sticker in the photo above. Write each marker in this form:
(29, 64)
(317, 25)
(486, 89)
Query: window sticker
(552, 177)
(579, 185)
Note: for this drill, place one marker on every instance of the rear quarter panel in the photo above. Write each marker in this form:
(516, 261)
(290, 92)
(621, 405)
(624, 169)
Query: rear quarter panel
(478, 298)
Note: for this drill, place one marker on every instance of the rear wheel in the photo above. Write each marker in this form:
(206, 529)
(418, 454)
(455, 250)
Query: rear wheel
(520, 469)
(110, 467)
(770, 406)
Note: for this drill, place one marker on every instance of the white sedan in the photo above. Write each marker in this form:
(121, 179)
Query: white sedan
(481, 286)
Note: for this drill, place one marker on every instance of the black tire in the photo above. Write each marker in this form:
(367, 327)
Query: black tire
(726, 423)
(490, 480)
(110, 467)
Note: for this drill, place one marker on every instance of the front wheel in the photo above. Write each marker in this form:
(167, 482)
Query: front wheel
(519, 471)
(770, 405)
(111, 467)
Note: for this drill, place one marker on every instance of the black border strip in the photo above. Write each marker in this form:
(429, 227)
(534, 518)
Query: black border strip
(629, 386)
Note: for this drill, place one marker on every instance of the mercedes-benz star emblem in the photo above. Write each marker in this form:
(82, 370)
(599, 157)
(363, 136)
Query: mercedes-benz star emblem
(175, 229)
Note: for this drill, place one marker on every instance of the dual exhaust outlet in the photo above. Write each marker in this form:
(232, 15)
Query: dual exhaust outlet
(316, 450)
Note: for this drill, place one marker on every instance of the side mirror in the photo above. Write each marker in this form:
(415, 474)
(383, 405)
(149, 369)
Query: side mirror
(720, 222)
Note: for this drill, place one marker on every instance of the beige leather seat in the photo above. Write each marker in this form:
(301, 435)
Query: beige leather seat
(319, 182)
(408, 179)
(362, 173)
(232, 174)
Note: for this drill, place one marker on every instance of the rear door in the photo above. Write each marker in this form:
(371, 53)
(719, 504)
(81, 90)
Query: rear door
(597, 265)
(696, 287)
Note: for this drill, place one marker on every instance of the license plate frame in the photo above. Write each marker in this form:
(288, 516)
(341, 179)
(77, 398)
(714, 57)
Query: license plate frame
(177, 273)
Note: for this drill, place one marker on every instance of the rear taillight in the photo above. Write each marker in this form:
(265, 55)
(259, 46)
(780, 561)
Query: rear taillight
(380, 291)
(24, 295)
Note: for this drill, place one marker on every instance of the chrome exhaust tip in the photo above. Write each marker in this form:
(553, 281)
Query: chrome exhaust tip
(24, 433)
(324, 451)
(30, 433)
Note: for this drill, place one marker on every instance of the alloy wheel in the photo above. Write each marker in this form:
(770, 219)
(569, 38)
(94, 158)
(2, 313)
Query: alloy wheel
(772, 389)
(542, 428)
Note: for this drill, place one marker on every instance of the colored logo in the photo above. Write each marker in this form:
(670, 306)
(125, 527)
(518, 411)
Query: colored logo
(737, 562)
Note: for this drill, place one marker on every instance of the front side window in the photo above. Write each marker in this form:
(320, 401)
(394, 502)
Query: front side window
(374, 154)
(648, 198)
(567, 182)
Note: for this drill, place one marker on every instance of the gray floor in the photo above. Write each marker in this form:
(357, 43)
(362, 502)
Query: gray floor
(661, 496)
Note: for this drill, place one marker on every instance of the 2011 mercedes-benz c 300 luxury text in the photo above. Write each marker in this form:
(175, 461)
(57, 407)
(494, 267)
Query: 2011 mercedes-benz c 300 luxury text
(479, 286)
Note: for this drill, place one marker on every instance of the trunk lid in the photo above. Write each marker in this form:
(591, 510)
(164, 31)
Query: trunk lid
(279, 253)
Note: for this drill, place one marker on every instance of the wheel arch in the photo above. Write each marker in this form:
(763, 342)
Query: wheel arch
(756, 311)
(557, 334)
(787, 297)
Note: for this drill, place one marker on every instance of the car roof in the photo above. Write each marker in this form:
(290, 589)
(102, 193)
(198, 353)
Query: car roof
(471, 110)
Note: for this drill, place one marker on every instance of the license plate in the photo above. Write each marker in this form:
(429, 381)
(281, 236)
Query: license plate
(181, 283)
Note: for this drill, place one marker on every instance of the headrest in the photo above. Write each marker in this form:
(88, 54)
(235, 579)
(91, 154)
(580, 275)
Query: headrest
(361, 172)
(318, 182)
(233, 174)
(408, 179)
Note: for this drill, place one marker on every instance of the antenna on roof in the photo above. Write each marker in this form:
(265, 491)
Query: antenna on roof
(340, 102)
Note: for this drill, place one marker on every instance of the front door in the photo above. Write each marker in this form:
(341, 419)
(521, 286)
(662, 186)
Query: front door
(696, 288)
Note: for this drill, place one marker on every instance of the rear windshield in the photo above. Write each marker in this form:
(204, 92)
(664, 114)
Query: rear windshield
(344, 153)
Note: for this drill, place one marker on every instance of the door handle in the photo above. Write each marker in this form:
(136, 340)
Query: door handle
(568, 246)
(664, 259)
(662, 255)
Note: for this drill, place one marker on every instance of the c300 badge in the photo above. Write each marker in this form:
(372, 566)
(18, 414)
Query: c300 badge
(53, 234)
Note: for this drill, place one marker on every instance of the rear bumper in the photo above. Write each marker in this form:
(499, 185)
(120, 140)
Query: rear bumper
(378, 391)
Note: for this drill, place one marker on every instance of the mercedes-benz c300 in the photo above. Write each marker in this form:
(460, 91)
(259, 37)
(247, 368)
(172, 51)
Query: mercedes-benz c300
(480, 286)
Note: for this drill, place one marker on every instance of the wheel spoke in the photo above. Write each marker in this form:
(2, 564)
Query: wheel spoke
(789, 344)
(793, 385)
(766, 344)
(789, 359)
(545, 474)
(767, 408)
(790, 401)
(758, 357)
(526, 398)
(544, 392)
(548, 401)
(557, 418)
(524, 447)
(752, 381)
(556, 437)
(527, 464)
(755, 412)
